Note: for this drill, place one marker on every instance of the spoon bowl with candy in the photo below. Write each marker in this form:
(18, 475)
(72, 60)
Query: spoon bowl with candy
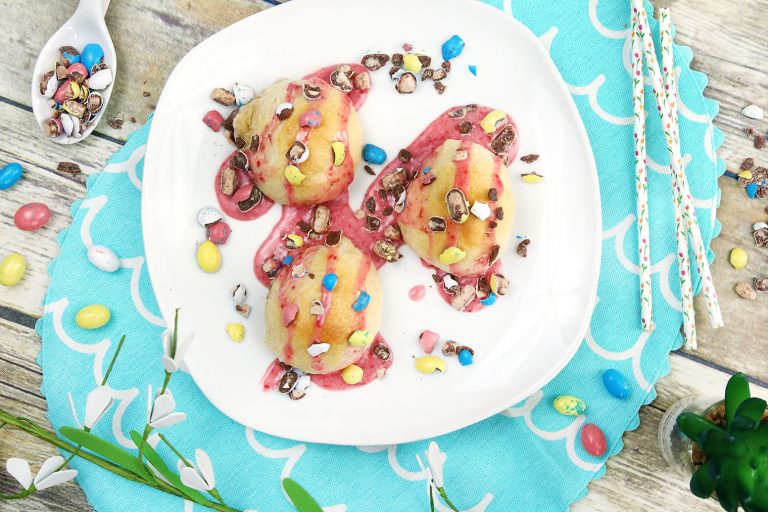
(73, 76)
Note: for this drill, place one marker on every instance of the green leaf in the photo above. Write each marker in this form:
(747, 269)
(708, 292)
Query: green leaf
(105, 449)
(736, 391)
(703, 481)
(299, 497)
(694, 426)
(746, 478)
(713, 442)
(156, 460)
(748, 415)
(728, 496)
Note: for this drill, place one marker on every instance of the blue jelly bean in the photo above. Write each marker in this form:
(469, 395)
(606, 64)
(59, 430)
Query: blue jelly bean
(362, 301)
(465, 358)
(330, 281)
(752, 190)
(287, 260)
(91, 55)
(10, 174)
(616, 383)
(374, 154)
(452, 48)
(472, 69)
(489, 300)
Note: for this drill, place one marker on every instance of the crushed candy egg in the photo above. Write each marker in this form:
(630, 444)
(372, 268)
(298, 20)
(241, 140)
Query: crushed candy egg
(411, 63)
(316, 349)
(430, 364)
(492, 120)
(295, 239)
(532, 178)
(330, 281)
(489, 300)
(235, 331)
(428, 340)
(352, 374)
(452, 255)
(360, 338)
(208, 257)
(480, 210)
(339, 153)
(739, 258)
(747, 175)
(452, 48)
(294, 175)
(92, 317)
(362, 301)
(465, 358)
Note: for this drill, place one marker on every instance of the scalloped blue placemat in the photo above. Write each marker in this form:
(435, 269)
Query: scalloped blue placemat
(529, 457)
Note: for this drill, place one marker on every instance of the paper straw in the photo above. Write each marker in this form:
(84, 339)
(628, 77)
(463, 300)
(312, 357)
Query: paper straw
(641, 179)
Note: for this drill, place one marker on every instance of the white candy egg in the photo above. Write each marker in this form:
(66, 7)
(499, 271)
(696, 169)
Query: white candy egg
(759, 225)
(67, 124)
(239, 294)
(103, 258)
(50, 88)
(100, 79)
(207, 216)
(243, 94)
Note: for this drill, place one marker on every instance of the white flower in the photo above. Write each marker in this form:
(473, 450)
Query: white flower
(200, 478)
(173, 362)
(435, 462)
(96, 405)
(160, 410)
(48, 476)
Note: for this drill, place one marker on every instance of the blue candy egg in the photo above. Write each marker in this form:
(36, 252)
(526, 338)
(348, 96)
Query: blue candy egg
(452, 48)
(616, 383)
(10, 174)
(489, 300)
(329, 281)
(752, 190)
(287, 260)
(465, 358)
(91, 55)
(374, 154)
(362, 301)
(472, 69)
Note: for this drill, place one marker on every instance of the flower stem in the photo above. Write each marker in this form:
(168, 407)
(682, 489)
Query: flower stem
(112, 362)
(443, 495)
(431, 500)
(144, 436)
(174, 450)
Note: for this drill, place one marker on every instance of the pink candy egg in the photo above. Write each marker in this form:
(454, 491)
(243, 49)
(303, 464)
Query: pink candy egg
(593, 440)
(77, 68)
(218, 232)
(32, 216)
(63, 93)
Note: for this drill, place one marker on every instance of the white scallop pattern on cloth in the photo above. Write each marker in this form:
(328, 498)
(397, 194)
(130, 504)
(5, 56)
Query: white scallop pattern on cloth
(527, 458)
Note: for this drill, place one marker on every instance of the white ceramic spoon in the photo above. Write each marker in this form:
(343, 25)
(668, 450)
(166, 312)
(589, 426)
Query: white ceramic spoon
(85, 26)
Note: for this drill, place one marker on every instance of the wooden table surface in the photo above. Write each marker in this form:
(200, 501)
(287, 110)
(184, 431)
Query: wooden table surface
(730, 44)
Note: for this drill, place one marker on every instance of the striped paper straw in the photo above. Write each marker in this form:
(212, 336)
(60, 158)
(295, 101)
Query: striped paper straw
(641, 179)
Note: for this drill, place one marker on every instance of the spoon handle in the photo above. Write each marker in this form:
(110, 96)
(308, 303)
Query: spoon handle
(92, 8)
(105, 6)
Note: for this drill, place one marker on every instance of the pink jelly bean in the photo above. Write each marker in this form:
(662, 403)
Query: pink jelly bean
(212, 119)
(311, 118)
(428, 340)
(32, 216)
(218, 232)
(593, 440)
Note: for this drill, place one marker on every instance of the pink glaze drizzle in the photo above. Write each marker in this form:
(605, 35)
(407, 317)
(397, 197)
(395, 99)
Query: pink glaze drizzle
(417, 292)
(369, 362)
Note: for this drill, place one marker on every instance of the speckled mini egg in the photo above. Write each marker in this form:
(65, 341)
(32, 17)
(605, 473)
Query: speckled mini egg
(103, 258)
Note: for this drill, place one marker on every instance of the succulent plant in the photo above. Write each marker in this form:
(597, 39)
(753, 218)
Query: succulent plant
(736, 464)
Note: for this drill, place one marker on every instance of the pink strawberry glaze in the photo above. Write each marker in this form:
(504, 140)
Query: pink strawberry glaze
(369, 362)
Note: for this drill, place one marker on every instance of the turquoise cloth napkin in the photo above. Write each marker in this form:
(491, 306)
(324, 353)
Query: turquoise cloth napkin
(527, 458)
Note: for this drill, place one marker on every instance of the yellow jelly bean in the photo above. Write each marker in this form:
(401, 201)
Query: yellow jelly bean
(208, 256)
(297, 240)
(569, 405)
(747, 175)
(93, 316)
(739, 258)
(352, 374)
(360, 339)
(411, 63)
(430, 364)
(294, 175)
(532, 178)
(235, 331)
(452, 255)
(339, 152)
(12, 269)
(491, 121)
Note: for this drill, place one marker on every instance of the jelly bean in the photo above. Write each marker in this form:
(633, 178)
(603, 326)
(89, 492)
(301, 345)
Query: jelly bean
(296, 240)
(374, 154)
(235, 331)
(569, 405)
(490, 300)
(452, 255)
(752, 190)
(287, 260)
(430, 364)
(428, 341)
(93, 316)
(208, 257)
(352, 374)
(239, 294)
(91, 55)
(330, 281)
(339, 152)
(213, 120)
(616, 383)
(593, 440)
(103, 258)
(31, 216)
(362, 301)
(294, 175)
(465, 358)
(472, 69)
(739, 258)
(452, 48)
(411, 63)
(10, 174)
(12, 269)
(207, 216)
(218, 232)
(360, 338)
(311, 118)
(492, 120)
